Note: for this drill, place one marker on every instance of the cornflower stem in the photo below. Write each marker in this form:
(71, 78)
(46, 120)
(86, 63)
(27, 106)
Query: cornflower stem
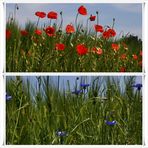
(61, 140)
(16, 121)
(84, 93)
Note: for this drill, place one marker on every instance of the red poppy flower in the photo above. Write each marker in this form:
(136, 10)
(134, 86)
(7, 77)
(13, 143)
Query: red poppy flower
(140, 63)
(99, 51)
(70, 29)
(115, 47)
(98, 28)
(81, 49)
(112, 32)
(8, 34)
(82, 10)
(92, 18)
(40, 14)
(123, 56)
(135, 57)
(106, 34)
(140, 52)
(50, 31)
(38, 32)
(122, 69)
(60, 46)
(52, 15)
(24, 32)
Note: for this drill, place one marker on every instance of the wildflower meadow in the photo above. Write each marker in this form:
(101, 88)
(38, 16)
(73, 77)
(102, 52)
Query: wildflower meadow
(76, 47)
(86, 110)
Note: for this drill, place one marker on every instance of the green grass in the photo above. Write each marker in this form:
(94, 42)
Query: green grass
(34, 53)
(33, 115)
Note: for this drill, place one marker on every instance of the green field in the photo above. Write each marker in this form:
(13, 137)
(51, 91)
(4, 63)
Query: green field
(37, 110)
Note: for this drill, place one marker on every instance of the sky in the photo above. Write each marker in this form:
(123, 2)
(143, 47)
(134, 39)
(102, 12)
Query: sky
(128, 17)
(72, 81)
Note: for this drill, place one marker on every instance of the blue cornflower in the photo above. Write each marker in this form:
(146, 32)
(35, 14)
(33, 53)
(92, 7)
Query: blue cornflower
(77, 92)
(111, 123)
(138, 86)
(84, 85)
(61, 133)
(8, 97)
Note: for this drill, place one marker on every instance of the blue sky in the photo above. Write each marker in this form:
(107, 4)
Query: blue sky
(72, 79)
(128, 16)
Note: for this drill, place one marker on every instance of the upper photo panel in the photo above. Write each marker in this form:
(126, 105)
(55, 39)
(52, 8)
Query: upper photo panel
(74, 37)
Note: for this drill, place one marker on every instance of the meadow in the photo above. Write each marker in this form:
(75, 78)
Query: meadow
(76, 47)
(104, 110)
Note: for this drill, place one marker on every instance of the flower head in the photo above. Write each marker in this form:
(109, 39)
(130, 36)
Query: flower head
(106, 34)
(138, 86)
(123, 56)
(84, 86)
(109, 33)
(92, 18)
(60, 46)
(24, 32)
(81, 49)
(140, 63)
(112, 32)
(61, 133)
(98, 51)
(82, 10)
(50, 31)
(111, 123)
(70, 29)
(135, 57)
(122, 69)
(115, 47)
(52, 15)
(140, 52)
(99, 28)
(38, 32)
(8, 34)
(8, 97)
(40, 14)
(77, 92)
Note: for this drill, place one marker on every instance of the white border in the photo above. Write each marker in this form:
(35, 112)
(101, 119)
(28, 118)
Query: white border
(74, 146)
(145, 79)
(145, 117)
(74, 1)
(1, 77)
(72, 74)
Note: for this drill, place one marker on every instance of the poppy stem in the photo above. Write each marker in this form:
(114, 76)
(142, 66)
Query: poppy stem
(113, 23)
(50, 22)
(97, 17)
(61, 24)
(37, 22)
(76, 21)
(15, 8)
(87, 26)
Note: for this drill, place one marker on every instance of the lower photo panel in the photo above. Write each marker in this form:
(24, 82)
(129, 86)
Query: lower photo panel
(73, 110)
